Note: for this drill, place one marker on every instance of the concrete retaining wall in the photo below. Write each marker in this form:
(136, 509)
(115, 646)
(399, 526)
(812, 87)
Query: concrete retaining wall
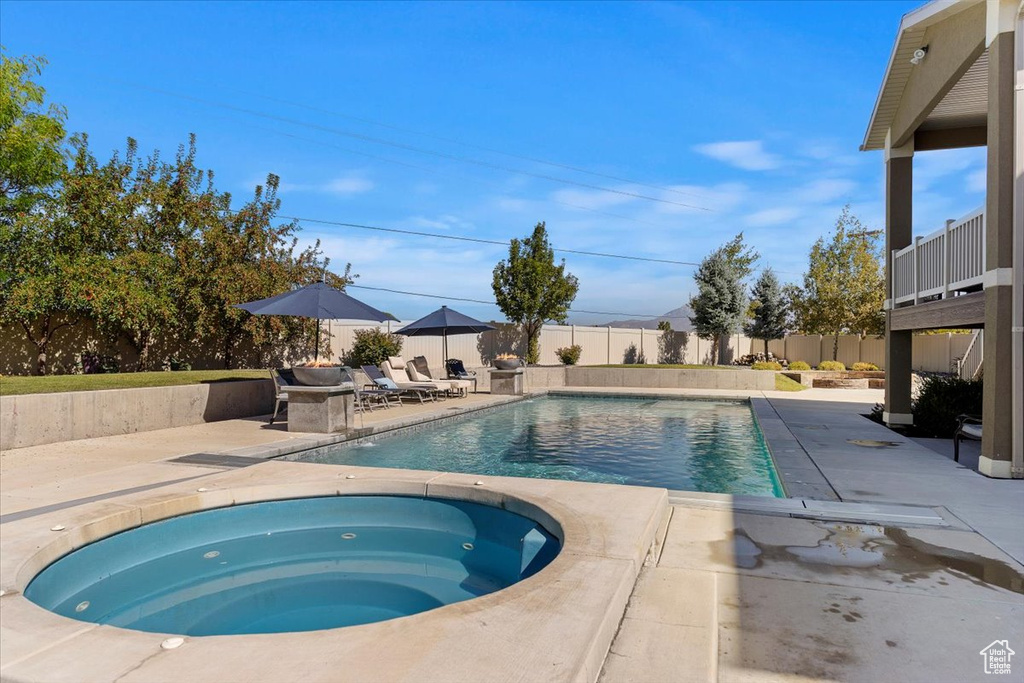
(33, 419)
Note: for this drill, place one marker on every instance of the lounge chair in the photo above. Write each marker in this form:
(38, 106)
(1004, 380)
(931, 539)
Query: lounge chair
(419, 370)
(967, 427)
(282, 378)
(381, 381)
(399, 371)
(456, 370)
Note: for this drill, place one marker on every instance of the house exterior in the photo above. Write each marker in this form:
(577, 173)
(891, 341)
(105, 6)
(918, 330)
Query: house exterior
(955, 79)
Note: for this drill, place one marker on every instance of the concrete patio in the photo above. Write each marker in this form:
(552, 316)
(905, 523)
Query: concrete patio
(893, 564)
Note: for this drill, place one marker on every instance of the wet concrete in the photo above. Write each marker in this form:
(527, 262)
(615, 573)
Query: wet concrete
(851, 547)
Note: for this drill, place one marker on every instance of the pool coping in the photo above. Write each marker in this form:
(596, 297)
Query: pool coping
(576, 602)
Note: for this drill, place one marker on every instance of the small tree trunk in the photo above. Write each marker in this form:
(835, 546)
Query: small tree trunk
(766, 349)
(835, 347)
(716, 341)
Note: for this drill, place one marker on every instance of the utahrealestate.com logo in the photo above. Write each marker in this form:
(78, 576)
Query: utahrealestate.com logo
(997, 657)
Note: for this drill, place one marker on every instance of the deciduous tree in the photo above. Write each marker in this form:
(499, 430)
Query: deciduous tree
(531, 289)
(31, 138)
(844, 285)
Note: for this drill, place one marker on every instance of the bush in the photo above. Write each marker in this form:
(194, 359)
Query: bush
(864, 367)
(831, 366)
(941, 399)
(372, 347)
(766, 365)
(569, 355)
(799, 365)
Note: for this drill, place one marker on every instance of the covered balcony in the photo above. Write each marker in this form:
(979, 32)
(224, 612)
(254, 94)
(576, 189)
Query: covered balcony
(955, 79)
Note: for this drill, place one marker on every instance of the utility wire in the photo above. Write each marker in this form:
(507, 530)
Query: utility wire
(479, 240)
(412, 148)
(490, 303)
(441, 138)
(453, 175)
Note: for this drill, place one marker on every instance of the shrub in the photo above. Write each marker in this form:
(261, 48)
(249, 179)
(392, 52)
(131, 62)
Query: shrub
(372, 347)
(863, 367)
(569, 355)
(831, 366)
(799, 365)
(767, 365)
(941, 399)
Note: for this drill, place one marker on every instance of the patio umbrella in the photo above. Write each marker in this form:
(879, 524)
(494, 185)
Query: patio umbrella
(441, 323)
(318, 301)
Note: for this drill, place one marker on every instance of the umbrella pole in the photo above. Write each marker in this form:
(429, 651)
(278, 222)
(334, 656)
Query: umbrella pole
(316, 342)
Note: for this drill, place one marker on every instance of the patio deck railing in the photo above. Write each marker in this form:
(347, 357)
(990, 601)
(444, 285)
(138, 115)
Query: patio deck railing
(940, 265)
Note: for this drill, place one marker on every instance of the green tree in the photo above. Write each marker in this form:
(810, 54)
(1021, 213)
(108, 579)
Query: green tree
(770, 312)
(31, 138)
(246, 256)
(844, 286)
(531, 290)
(720, 302)
(373, 346)
(740, 256)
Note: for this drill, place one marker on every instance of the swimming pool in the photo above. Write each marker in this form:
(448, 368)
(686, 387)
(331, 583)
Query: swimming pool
(688, 445)
(295, 565)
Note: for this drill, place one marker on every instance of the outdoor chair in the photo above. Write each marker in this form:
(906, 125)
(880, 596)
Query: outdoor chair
(456, 370)
(399, 372)
(418, 369)
(967, 427)
(381, 381)
(368, 399)
(282, 378)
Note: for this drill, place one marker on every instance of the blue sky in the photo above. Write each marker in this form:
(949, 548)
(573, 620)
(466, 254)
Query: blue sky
(437, 117)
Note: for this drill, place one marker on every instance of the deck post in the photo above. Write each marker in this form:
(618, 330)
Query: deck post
(899, 170)
(997, 411)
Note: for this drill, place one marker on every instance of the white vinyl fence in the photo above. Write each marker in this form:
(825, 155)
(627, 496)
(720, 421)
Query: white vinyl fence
(613, 345)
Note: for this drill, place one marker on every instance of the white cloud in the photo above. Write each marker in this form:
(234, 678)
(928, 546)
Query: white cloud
(824, 190)
(748, 155)
(348, 185)
(930, 167)
(774, 216)
(977, 181)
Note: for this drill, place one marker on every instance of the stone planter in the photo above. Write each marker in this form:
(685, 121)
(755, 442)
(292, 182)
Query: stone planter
(320, 377)
(500, 364)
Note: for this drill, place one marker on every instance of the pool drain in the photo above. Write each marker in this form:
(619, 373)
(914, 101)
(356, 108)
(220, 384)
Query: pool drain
(212, 554)
(82, 606)
(348, 536)
(467, 546)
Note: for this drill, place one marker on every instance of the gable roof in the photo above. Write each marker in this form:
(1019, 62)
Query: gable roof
(909, 37)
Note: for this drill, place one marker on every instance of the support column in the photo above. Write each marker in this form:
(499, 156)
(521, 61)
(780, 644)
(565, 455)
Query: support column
(899, 185)
(997, 410)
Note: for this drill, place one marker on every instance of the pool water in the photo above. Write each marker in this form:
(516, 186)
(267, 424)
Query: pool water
(688, 445)
(294, 565)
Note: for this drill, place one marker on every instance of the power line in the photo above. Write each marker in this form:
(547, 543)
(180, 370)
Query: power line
(453, 175)
(441, 138)
(490, 303)
(480, 240)
(411, 148)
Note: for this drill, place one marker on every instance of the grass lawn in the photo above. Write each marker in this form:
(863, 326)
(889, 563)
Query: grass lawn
(121, 380)
(783, 383)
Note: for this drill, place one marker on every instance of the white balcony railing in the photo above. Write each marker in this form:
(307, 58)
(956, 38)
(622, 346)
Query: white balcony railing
(968, 366)
(939, 265)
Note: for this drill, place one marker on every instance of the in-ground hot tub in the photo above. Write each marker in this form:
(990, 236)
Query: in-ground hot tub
(295, 565)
